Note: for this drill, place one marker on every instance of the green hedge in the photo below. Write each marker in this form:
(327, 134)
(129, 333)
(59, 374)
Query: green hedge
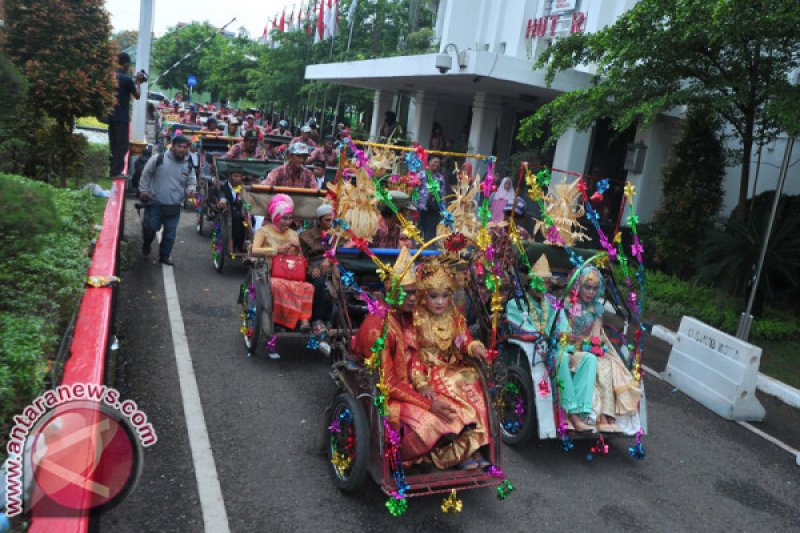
(673, 298)
(41, 282)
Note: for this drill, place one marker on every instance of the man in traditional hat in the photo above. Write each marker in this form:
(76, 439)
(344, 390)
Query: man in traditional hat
(325, 152)
(399, 348)
(305, 137)
(210, 126)
(293, 173)
(314, 242)
(282, 129)
(233, 127)
(190, 118)
(250, 124)
(247, 148)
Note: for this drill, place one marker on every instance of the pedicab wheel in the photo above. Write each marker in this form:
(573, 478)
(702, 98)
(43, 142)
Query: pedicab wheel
(348, 443)
(218, 258)
(219, 247)
(200, 216)
(517, 418)
(251, 314)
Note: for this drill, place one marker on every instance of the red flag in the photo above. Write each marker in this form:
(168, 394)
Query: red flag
(320, 23)
(308, 22)
(282, 24)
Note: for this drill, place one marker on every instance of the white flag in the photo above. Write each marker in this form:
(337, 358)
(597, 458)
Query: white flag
(331, 22)
(351, 13)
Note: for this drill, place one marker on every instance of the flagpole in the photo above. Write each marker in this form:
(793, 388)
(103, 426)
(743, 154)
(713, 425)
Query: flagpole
(347, 51)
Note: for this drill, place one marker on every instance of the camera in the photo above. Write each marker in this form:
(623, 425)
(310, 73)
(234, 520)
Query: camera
(142, 75)
(444, 63)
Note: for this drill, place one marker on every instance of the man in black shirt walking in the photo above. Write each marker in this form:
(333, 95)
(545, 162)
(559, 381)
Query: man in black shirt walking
(119, 120)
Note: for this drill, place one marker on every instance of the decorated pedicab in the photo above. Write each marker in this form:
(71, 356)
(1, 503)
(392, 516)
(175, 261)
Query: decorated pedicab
(223, 241)
(370, 352)
(573, 375)
(260, 327)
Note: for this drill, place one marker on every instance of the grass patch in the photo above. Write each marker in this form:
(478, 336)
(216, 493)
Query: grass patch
(781, 360)
(90, 122)
(777, 332)
(42, 276)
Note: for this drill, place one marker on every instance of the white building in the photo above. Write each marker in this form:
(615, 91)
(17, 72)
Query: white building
(490, 47)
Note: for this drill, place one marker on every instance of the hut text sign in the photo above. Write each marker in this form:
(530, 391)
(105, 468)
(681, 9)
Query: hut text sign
(716, 369)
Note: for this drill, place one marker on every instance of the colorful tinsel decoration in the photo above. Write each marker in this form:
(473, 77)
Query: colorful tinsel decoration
(451, 504)
(272, 343)
(637, 450)
(397, 504)
(341, 462)
(496, 472)
(505, 489)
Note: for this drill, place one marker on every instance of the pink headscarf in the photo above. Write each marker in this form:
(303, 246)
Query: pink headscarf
(281, 205)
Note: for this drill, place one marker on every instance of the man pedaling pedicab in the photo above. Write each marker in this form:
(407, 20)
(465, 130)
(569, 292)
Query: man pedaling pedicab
(314, 242)
(326, 152)
(248, 148)
(293, 173)
(444, 427)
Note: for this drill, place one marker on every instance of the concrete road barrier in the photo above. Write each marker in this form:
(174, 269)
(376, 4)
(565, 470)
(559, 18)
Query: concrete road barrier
(716, 369)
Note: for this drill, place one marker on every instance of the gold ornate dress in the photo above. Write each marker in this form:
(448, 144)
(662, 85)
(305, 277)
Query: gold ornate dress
(443, 343)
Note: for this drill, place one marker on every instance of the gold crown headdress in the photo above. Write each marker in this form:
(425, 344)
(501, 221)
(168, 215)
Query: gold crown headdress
(436, 275)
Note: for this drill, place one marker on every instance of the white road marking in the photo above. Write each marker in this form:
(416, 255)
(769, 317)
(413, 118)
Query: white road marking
(746, 425)
(211, 503)
(770, 438)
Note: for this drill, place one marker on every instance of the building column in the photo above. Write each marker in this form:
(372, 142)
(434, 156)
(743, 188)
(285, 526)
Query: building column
(658, 142)
(572, 151)
(486, 111)
(421, 123)
(505, 139)
(381, 104)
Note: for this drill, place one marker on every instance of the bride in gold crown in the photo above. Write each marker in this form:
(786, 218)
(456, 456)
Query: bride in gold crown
(440, 371)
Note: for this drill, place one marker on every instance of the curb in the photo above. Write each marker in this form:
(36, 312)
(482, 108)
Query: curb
(786, 393)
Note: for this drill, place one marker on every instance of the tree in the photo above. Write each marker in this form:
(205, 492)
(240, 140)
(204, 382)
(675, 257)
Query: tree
(64, 51)
(174, 46)
(125, 38)
(227, 73)
(730, 56)
(380, 30)
(692, 185)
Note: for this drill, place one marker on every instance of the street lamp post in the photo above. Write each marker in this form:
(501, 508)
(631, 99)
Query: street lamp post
(144, 41)
(746, 322)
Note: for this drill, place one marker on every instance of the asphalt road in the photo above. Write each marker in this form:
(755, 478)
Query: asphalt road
(265, 421)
